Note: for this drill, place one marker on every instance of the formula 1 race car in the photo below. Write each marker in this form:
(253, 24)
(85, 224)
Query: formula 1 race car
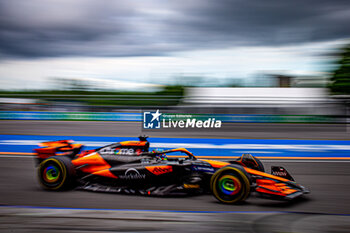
(129, 167)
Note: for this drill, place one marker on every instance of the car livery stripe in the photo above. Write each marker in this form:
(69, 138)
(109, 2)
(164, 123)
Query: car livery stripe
(105, 173)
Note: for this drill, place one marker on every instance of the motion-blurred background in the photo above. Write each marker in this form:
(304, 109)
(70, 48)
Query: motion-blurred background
(274, 62)
(277, 73)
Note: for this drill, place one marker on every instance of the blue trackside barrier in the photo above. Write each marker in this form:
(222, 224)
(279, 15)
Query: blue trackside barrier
(117, 116)
(66, 116)
(211, 148)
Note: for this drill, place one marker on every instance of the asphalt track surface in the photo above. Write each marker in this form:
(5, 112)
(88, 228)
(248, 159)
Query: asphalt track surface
(328, 182)
(325, 209)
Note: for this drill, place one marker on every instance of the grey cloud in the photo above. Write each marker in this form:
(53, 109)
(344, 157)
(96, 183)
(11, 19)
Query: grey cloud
(267, 22)
(34, 28)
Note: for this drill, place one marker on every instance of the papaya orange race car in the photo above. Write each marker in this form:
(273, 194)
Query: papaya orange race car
(129, 167)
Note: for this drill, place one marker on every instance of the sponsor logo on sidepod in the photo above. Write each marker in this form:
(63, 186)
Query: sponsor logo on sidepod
(203, 168)
(158, 170)
(132, 174)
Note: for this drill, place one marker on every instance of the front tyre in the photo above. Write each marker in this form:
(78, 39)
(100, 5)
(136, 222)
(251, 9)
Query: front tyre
(56, 173)
(230, 184)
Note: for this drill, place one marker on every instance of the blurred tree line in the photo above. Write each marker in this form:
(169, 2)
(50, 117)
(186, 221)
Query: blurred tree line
(167, 96)
(340, 84)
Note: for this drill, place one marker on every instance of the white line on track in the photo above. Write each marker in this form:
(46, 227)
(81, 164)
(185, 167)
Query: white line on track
(304, 161)
(263, 160)
(298, 147)
(17, 156)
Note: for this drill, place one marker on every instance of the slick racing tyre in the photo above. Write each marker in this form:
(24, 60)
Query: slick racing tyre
(230, 184)
(56, 173)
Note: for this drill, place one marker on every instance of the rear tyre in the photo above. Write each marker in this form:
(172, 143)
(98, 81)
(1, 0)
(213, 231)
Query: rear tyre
(230, 184)
(56, 173)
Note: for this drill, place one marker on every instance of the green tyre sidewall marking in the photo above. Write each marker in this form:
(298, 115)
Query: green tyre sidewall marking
(63, 172)
(241, 176)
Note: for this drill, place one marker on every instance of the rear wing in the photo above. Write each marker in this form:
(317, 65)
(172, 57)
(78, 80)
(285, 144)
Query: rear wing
(61, 147)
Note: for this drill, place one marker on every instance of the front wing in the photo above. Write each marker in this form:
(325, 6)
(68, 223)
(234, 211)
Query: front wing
(275, 187)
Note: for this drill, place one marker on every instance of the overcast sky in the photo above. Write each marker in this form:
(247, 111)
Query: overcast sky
(149, 41)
